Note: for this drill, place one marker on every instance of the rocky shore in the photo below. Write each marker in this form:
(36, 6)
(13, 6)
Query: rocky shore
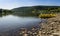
(49, 28)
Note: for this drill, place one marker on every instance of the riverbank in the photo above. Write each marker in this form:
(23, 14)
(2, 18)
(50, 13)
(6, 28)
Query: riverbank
(49, 28)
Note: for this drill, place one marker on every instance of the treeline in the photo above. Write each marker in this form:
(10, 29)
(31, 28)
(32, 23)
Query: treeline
(5, 11)
(32, 10)
(36, 10)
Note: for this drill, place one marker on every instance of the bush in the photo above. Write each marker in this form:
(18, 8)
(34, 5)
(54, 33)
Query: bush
(47, 15)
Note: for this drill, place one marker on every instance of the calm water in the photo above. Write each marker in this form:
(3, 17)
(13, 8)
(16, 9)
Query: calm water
(10, 22)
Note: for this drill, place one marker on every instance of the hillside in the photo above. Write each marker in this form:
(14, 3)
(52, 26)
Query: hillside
(31, 8)
(36, 10)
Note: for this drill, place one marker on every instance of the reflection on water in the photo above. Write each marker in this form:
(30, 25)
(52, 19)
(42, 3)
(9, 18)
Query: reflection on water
(10, 22)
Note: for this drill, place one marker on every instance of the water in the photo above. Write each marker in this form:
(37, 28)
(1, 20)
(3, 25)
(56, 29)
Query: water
(10, 22)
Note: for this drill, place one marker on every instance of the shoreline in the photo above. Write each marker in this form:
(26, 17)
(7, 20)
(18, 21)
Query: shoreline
(49, 28)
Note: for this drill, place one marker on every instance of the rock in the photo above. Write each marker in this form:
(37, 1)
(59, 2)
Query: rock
(49, 28)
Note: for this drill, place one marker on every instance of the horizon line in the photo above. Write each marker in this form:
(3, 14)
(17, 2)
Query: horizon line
(32, 6)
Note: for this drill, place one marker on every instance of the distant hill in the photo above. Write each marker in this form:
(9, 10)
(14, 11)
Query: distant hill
(37, 9)
(21, 9)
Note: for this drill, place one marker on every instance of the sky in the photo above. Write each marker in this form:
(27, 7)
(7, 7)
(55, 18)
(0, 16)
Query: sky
(10, 4)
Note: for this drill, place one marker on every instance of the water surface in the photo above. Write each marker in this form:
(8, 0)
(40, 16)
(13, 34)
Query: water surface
(10, 22)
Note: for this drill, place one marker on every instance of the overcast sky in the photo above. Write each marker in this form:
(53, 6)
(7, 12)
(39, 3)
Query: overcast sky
(9, 4)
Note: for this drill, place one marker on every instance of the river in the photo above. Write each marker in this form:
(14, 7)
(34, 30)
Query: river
(10, 22)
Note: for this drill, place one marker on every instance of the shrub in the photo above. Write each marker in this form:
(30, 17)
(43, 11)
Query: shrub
(47, 15)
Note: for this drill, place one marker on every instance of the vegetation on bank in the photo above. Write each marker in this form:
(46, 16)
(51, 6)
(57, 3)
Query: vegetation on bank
(5, 12)
(47, 15)
(47, 11)
(34, 11)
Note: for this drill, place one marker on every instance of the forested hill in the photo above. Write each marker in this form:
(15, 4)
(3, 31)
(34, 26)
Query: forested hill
(31, 8)
(34, 10)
